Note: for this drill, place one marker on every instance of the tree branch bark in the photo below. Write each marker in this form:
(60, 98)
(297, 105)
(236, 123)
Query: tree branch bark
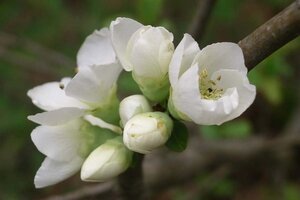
(278, 31)
(201, 18)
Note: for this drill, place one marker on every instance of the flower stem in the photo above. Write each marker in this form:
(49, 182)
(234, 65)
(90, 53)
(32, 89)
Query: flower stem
(131, 184)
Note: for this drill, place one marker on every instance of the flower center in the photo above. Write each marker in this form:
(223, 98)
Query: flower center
(208, 87)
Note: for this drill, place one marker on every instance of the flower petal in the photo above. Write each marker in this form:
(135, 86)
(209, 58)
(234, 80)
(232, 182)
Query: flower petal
(246, 91)
(102, 124)
(57, 117)
(148, 49)
(96, 50)
(183, 57)
(121, 31)
(93, 84)
(52, 171)
(50, 96)
(187, 99)
(223, 55)
(58, 142)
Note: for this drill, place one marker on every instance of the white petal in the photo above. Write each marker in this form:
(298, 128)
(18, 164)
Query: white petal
(93, 84)
(57, 117)
(149, 51)
(182, 58)
(224, 55)
(58, 142)
(102, 124)
(121, 31)
(52, 171)
(187, 99)
(96, 50)
(50, 96)
(246, 91)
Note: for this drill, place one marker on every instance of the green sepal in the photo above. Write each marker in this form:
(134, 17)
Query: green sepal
(156, 90)
(174, 112)
(109, 109)
(94, 136)
(179, 137)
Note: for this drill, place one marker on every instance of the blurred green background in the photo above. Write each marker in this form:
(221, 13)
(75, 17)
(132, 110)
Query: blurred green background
(39, 40)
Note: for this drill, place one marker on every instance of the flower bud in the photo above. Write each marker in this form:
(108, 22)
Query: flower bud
(147, 131)
(149, 52)
(107, 161)
(133, 105)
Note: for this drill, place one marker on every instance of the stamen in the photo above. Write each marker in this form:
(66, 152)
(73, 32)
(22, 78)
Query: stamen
(212, 82)
(208, 87)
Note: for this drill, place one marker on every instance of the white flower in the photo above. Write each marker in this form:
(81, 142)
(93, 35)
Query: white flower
(146, 51)
(65, 136)
(209, 86)
(107, 161)
(96, 50)
(147, 131)
(132, 105)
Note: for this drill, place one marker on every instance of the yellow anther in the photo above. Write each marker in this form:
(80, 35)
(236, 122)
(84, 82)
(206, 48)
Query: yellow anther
(208, 87)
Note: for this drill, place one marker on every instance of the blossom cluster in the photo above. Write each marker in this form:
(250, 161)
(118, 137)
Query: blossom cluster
(85, 127)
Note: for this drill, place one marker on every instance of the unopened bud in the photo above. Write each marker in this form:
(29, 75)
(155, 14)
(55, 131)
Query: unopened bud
(147, 131)
(107, 161)
(133, 105)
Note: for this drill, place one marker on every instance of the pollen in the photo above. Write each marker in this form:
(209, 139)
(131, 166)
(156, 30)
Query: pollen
(209, 88)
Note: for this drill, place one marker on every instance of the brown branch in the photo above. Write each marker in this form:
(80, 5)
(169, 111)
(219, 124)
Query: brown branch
(278, 31)
(201, 17)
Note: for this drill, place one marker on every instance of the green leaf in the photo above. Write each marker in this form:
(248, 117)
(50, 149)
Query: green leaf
(179, 137)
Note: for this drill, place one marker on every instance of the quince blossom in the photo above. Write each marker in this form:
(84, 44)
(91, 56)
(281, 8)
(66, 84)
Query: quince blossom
(209, 86)
(73, 107)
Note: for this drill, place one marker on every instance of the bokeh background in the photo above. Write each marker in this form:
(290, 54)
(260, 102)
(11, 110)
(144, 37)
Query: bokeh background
(39, 40)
